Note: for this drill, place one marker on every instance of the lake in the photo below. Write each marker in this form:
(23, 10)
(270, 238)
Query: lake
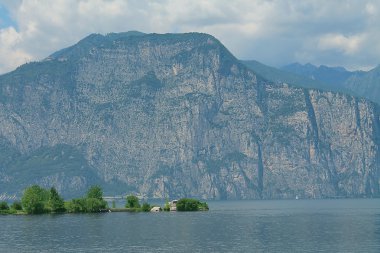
(344, 225)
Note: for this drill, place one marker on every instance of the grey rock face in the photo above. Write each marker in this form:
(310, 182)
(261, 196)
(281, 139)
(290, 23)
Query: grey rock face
(178, 115)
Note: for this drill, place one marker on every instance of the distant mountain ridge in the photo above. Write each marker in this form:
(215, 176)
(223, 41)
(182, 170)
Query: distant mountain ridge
(365, 84)
(296, 75)
(329, 75)
(177, 115)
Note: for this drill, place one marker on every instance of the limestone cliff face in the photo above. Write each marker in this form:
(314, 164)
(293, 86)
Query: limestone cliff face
(178, 115)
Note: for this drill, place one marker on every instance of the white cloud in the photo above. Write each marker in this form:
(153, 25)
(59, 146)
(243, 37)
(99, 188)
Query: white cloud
(10, 54)
(346, 44)
(275, 32)
(370, 9)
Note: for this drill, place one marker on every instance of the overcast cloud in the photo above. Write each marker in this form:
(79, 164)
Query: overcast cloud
(275, 32)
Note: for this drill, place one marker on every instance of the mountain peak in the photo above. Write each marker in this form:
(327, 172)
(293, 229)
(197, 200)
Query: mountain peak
(97, 37)
(112, 40)
(337, 69)
(308, 65)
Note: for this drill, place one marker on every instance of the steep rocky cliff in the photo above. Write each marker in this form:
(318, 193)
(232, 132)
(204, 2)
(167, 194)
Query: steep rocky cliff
(177, 115)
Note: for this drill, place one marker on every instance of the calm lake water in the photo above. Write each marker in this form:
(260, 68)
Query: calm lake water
(230, 226)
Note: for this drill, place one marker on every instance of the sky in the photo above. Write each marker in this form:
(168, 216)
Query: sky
(275, 32)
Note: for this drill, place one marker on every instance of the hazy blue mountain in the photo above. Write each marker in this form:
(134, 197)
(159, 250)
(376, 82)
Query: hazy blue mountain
(174, 115)
(334, 76)
(295, 74)
(365, 84)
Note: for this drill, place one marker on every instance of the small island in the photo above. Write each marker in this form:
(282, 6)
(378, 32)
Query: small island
(38, 200)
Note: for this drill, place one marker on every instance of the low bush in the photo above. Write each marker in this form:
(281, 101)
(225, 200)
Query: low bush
(145, 207)
(4, 205)
(16, 206)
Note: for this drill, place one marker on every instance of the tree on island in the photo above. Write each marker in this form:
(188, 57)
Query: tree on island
(95, 192)
(5, 209)
(186, 204)
(93, 202)
(13, 209)
(35, 199)
(146, 207)
(76, 205)
(94, 199)
(55, 203)
(132, 202)
(16, 206)
(4, 205)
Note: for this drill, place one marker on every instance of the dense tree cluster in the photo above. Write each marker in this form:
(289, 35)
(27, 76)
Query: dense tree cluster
(93, 202)
(186, 204)
(16, 206)
(4, 208)
(4, 205)
(133, 204)
(37, 200)
(13, 209)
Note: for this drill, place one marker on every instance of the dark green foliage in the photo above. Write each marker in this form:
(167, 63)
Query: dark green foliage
(145, 207)
(35, 199)
(186, 204)
(94, 200)
(133, 205)
(92, 203)
(38, 200)
(9, 211)
(203, 206)
(16, 206)
(4, 208)
(132, 202)
(95, 192)
(76, 206)
(4, 205)
(113, 204)
(55, 203)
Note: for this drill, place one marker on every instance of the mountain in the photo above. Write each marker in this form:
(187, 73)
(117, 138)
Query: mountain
(296, 75)
(364, 84)
(335, 76)
(174, 115)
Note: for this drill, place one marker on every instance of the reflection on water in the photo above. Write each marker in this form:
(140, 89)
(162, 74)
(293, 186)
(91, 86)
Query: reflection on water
(230, 226)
